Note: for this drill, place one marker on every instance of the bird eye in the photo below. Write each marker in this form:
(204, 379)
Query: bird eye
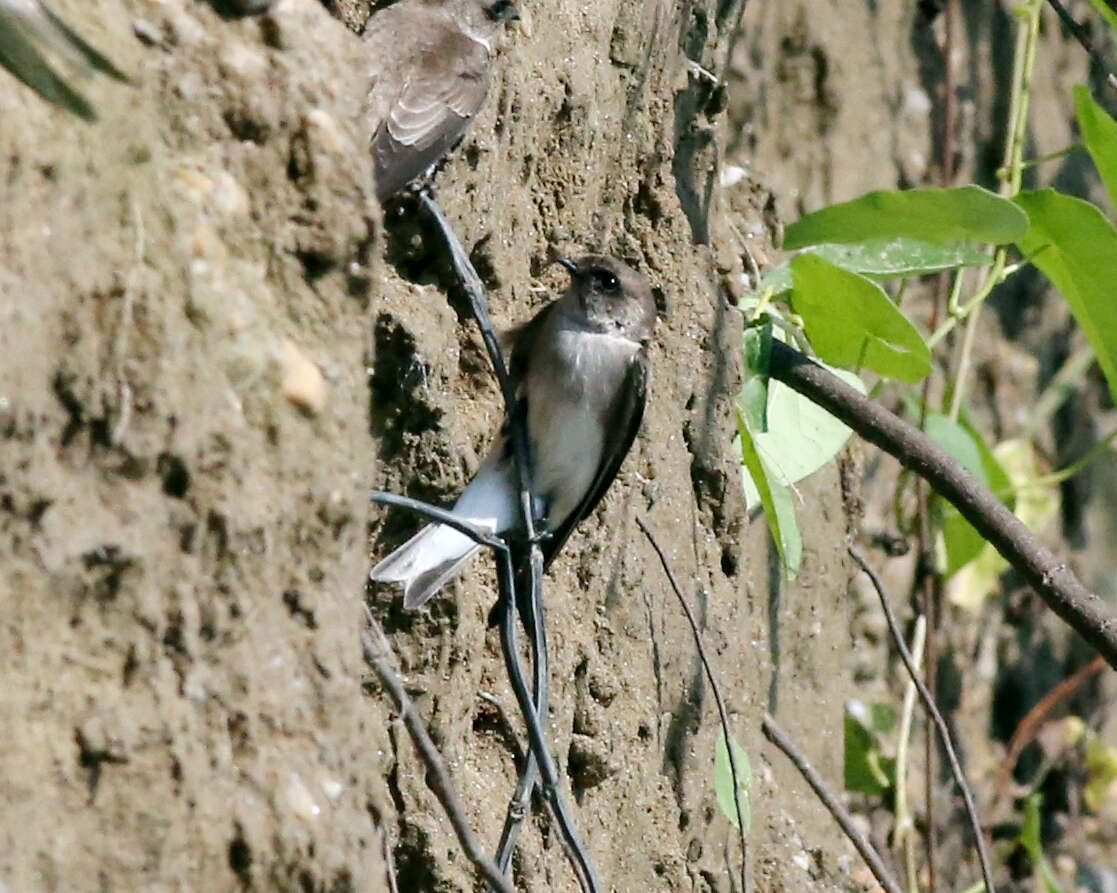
(501, 10)
(606, 281)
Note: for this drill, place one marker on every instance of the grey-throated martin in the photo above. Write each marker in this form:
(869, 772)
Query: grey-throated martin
(580, 369)
(430, 75)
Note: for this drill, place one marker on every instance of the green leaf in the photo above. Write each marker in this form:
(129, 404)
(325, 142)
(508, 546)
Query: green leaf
(1100, 133)
(801, 437)
(957, 441)
(995, 474)
(1076, 248)
(1106, 13)
(851, 322)
(943, 216)
(1011, 464)
(723, 780)
(880, 719)
(753, 399)
(1101, 770)
(886, 258)
(964, 442)
(866, 769)
(1029, 839)
(779, 509)
(961, 540)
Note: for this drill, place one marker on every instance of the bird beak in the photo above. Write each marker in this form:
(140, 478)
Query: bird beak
(571, 266)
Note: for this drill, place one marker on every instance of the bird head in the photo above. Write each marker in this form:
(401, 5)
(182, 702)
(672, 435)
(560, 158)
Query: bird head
(608, 296)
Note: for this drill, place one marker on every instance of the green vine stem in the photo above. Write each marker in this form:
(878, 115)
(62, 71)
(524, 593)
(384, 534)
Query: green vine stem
(1012, 173)
(904, 833)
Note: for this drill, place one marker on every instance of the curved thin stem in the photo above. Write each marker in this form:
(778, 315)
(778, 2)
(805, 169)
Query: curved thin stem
(860, 842)
(531, 710)
(438, 777)
(719, 700)
(936, 716)
(575, 850)
(478, 534)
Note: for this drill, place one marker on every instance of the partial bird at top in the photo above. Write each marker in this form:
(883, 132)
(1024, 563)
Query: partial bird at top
(29, 30)
(429, 66)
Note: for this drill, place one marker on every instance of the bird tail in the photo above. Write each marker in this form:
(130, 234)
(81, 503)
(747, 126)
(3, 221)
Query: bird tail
(425, 563)
(432, 557)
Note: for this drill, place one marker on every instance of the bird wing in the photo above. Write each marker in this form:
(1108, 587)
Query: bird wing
(79, 50)
(23, 59)
(624, 417)
(443, 87)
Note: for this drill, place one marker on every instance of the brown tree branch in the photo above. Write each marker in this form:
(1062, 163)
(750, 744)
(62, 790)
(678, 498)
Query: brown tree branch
(1055, 583)
(1031, 724)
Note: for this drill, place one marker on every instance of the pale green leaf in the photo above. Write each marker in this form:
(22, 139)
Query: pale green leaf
(801, 436)
(865, 769)
(753, 398)
(961, 542)
(885, 258)
(1099, 131)
(851, 322)
(779, 508)
(964, 214)
(723, 780)
(1076, 248)
(1101, 769)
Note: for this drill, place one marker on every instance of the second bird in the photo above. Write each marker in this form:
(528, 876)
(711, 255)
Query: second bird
(580, 368)
(430, 76)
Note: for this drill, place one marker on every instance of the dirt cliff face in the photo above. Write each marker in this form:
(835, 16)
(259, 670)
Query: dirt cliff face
(212, 347)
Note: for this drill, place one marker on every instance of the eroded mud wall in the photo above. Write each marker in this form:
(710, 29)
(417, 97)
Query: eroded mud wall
(211, 348)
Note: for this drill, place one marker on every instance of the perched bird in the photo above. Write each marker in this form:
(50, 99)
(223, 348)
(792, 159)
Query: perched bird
(30, 27)
(580, 369)
(430, 75)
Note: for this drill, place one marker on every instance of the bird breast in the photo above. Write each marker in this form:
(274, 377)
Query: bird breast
(571, 391)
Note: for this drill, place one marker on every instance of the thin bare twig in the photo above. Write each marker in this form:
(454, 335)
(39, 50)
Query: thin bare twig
(940, 724)
(389, 861)
(1052, 580)
(872, 858)
(568, 834)
(722, 712)
(520, 803)
(478, 534)
(1030, 725)
(438, 777)
(1079, 33)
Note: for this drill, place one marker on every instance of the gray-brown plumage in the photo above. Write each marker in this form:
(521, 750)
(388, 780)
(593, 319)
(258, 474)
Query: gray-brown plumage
(429, 67)
(580, 368)
(29, 30)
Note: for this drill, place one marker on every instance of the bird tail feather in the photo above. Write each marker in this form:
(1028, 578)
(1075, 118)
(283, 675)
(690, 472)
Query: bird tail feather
(425, 563)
